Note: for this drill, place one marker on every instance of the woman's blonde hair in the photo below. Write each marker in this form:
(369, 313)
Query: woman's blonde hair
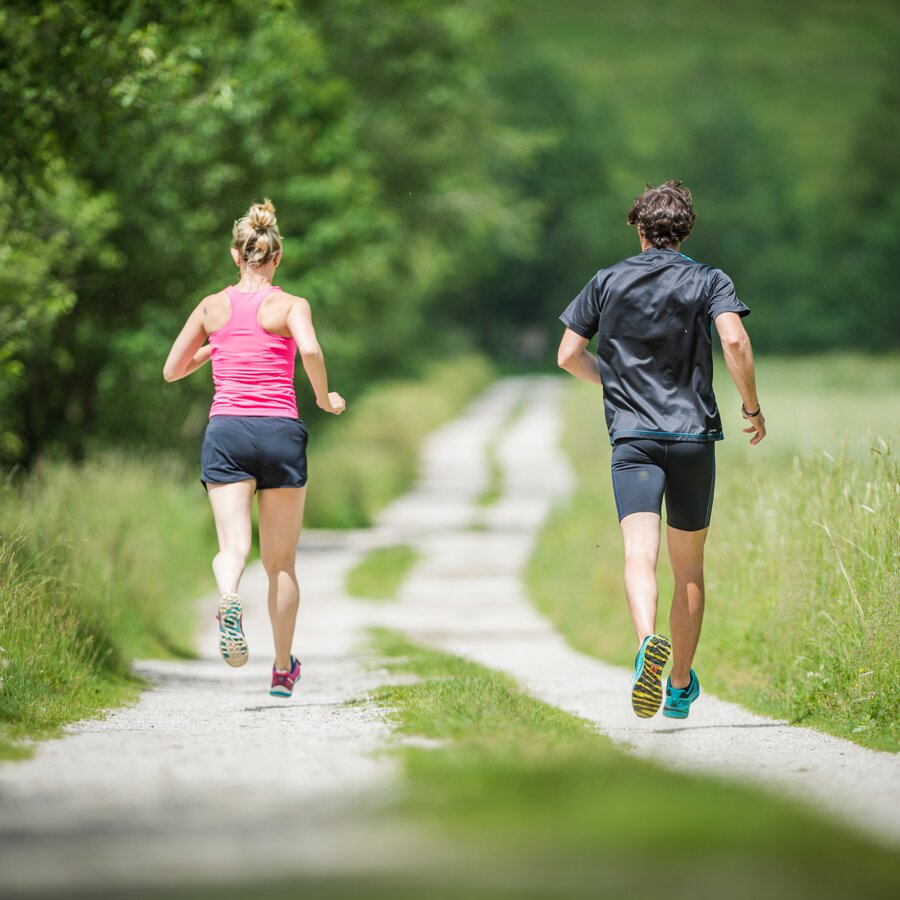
(256, 235)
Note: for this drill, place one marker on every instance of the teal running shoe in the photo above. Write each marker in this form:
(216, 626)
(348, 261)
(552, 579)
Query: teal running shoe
(679, 700)
(232, 643)
(646, 683)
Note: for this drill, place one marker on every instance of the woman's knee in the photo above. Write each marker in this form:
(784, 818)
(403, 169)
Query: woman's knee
(276, 565)
(237, 548)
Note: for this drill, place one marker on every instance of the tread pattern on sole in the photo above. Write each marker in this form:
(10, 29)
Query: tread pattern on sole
(232, 643)
(647, 690)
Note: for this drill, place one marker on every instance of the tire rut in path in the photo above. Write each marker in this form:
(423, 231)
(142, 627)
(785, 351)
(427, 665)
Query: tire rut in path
(466, 596)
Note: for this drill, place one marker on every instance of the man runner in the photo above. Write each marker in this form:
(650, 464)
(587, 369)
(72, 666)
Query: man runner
(653, 313)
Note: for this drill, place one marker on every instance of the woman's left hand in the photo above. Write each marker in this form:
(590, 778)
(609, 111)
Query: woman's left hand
(334, 403)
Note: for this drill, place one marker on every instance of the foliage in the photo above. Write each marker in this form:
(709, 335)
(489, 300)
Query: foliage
(371, 126)
(784, 121)
(801, 568)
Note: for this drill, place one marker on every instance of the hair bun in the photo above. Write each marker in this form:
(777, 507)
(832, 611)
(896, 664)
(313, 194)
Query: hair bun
(262, 215)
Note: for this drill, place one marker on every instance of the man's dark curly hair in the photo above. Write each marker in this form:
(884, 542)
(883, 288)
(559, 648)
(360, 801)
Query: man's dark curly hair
(664, 215)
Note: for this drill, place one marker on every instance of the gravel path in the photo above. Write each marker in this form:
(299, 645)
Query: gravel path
(207, 760)
(466, 597)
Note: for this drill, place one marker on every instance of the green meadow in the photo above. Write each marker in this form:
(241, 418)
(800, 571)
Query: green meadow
(802, 570)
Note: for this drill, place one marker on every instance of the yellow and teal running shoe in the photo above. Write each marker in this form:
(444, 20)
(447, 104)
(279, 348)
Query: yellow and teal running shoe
(646, 683)
(679, 700)
(232, 643)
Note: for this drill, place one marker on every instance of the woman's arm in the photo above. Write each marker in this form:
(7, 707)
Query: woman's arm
(299, 322)
(188, 352)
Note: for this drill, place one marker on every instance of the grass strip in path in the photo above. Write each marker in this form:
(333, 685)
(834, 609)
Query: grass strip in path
(550, 802)
(380, 574)
(494, 488)
(801, 577)
(525, 802)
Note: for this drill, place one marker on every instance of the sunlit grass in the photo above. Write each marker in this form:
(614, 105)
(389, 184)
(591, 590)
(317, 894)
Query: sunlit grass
(97, 563)
(542, 795)
(100, 562)
(802, 572)
(380, 574)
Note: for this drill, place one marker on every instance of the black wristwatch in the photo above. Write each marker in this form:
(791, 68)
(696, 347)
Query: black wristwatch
(750, 415)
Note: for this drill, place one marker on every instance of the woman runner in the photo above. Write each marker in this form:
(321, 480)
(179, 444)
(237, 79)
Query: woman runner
(255, 439)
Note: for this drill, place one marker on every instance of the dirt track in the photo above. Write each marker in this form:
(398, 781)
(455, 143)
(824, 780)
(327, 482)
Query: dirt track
(208, 761)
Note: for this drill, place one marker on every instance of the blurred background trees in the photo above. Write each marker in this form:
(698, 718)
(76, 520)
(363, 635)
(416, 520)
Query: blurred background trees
(448, 174)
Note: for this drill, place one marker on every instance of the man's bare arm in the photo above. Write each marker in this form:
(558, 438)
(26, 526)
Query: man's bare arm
(739, 361)
(573, 356)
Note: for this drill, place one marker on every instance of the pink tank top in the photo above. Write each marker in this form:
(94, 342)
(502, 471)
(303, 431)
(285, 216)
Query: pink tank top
(253, 370)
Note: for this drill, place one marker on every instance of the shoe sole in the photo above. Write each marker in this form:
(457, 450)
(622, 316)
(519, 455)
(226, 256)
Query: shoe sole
(232, 643)
(647, 690)
(283, 694)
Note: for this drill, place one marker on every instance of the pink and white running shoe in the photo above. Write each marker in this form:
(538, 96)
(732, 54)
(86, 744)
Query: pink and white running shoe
(283, 681)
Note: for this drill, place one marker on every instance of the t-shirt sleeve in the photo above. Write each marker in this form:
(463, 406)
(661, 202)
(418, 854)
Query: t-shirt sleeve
(582, 315)
(722, 297)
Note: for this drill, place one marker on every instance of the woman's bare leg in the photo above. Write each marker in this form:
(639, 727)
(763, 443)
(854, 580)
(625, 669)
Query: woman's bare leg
(231, 505)
(280, 519)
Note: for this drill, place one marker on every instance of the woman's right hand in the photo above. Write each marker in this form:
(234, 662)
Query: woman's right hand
(334, 403)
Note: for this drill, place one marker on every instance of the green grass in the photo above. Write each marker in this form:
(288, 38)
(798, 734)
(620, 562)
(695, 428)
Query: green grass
(546, 801)
(520, 800)
(802, 573)
(100, 562)
(96, 563)
(370, 455)
(380, 573)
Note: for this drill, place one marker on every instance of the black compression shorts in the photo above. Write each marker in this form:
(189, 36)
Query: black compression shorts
(684, 471)
(269, 449)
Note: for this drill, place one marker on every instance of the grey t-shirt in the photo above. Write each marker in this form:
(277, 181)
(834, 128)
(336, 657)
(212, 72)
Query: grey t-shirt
(654, 315)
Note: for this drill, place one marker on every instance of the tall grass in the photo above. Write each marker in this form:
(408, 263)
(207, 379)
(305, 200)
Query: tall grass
(96, 563)
(100, 562)
(801, 565)
(371, 455)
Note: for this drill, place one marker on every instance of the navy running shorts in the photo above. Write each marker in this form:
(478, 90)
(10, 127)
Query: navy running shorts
(269, 449)
(684, 471)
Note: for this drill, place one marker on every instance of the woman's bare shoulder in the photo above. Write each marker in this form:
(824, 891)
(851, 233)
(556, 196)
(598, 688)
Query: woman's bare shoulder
(292, 300)
(214, 301)
(214, 310)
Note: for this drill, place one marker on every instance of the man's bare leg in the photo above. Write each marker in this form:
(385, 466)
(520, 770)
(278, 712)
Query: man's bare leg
(640, 533)
(686, 617)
